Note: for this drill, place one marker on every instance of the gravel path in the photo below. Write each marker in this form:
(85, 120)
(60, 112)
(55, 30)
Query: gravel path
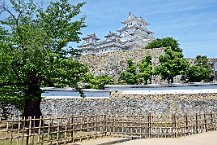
(209, 138)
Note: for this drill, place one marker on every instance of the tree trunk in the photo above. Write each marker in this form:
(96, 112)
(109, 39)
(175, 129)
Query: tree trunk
(32, 104)
(33, 98)
(172, 80)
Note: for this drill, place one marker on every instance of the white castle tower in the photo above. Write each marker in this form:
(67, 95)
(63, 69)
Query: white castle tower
(134, 35)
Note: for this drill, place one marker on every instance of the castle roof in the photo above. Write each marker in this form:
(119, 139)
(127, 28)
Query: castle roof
(132, 18)
(91, 36)
(110, 34)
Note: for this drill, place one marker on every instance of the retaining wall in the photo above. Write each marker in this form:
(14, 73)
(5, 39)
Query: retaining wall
(133, 104)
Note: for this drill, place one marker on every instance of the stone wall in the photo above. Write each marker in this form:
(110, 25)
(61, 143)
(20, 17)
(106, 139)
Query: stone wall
(132, 104)
(113, 63)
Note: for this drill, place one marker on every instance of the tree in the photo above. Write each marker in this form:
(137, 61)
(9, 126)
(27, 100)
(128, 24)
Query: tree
(172, 64)
(200, 70)
(130, 76)
(97, 82)
(145, 70)
(34, 52)
(164, 42)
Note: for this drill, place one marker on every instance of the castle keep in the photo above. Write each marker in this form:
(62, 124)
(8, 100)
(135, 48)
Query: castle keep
(134, 35)
(109, 56)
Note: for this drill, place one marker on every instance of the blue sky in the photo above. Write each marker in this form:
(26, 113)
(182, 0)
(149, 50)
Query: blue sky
(192, 22)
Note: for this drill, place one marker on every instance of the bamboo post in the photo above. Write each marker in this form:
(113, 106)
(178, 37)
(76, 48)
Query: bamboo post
(105, 123)
(211, 121)
(140, 127)
(131, 127)
(39, 131)
(101, 124)
(95, 126)
(81, 123)
(7, 130)
(149, 125)
(72, 128)
(33, 129)
(58, 129)
(122, 125)
(186, 124)
(23, 120)
(19, 128)
(114, 125)
(174, 122)
(65, 132)
(118, 125)
(214, 121)
(11, 131)
(205, 122)
(28, 141)
(49, 129)
(196, 121)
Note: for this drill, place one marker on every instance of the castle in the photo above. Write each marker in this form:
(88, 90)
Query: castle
(134, 35)
(110, 59)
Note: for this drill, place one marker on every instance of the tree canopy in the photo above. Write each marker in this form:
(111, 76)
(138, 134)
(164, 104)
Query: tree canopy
(97, 82)
(129, 76)
(164, 42)
(199, 70)
(145, 70)
(34, 49)
(172, 62)
(137, 73)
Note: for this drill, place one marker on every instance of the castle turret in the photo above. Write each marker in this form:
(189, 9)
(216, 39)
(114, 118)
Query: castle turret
(134, 35)
(89, 43)
(135, 31)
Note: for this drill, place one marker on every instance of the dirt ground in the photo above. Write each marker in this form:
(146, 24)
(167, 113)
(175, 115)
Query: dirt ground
(209, 138)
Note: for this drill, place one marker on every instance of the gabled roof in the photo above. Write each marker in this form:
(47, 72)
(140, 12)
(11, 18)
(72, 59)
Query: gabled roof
(110, 34)
(132, 18)
(91, 36)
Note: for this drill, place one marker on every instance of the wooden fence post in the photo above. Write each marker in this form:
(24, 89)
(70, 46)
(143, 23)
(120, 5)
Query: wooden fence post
(205, 122)
(40, 138)
(28, 140)
(72, 128)
(149, 125)
(196, 122)
(114, 125)
(186, 124)
(174, 125)
(212, 120)
(49, 130)
(140, 127)
(105, 125)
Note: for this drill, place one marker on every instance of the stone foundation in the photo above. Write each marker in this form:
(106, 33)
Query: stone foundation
(132, 104)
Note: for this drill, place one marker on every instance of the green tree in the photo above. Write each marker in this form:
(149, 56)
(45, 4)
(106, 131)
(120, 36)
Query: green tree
(97, 82)
(164, 42)
(130, 76)
(200, 70)
(145, 70)
(172, 64)
(34, 52)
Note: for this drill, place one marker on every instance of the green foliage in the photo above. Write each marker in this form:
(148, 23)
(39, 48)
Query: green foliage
(97, 82)
(129, 76)
(145, 70)
(172, 64)
(164, 42)
(200, 70)
(34, 51)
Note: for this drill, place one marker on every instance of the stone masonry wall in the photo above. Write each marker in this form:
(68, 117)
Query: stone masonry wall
(113, 63)
(132, 104)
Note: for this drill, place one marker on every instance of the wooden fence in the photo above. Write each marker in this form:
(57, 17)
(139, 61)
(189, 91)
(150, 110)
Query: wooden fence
(62, 130)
